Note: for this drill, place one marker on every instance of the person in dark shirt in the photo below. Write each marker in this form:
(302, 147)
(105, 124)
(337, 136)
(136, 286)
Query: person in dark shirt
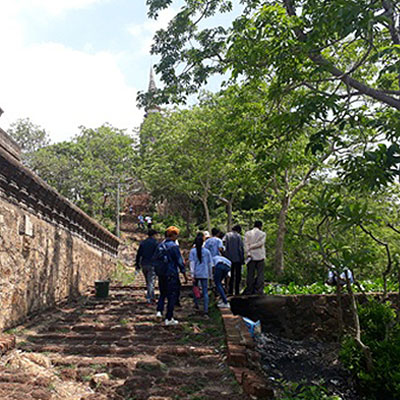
(169, 282)
(234, 251)
(144, 258)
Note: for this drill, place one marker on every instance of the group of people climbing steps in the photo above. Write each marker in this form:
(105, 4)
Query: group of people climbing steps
(214, 260)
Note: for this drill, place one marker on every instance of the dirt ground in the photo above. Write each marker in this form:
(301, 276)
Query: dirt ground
(305, 361)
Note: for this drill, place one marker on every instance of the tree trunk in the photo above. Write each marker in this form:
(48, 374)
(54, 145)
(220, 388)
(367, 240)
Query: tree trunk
(357, 329)
(229, 208)
(204, 200)
(279, 262)
(339, 308)
(188, 220)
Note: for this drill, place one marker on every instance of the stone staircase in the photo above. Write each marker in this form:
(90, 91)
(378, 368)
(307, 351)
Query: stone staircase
(115, 349)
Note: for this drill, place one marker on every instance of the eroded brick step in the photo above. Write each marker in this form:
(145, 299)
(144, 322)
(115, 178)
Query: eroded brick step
(104, 339)
(93, 350)
(16, 387)
(20, 395)
(120, 337)
(21, 378)
(82, 361)
(89, 328)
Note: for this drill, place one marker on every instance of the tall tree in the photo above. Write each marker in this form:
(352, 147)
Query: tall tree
(29, 136)
(87, 169)
(342, 54)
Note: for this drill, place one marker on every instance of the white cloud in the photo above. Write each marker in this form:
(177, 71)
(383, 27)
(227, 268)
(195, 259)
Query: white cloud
(56, 7)
(144, 33)
(60, 88)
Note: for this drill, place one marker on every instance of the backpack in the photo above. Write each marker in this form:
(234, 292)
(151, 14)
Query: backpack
(161, 260)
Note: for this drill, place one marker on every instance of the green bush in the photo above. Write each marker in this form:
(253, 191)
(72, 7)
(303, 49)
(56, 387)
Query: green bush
(298, 391)
(382, 334)
(322, 288)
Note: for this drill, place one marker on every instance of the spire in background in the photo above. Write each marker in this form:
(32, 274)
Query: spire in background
(151, 106)
(152, 83)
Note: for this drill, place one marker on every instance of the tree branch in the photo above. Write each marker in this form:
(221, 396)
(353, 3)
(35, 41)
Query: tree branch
(320, 60)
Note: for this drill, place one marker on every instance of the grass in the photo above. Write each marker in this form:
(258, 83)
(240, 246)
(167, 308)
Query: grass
(98, 367)
(68, 366)
(62, 330)
(86, 378)
(15, 331)
(192, 388)
(51, 387)
(122, 275)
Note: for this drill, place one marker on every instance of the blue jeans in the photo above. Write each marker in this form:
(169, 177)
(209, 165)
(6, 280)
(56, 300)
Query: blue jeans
(204, 287)
(169, 289)
(149, 275)
(220, 273)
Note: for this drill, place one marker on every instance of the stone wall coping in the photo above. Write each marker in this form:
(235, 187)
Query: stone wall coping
(9, 145)
(24, 187)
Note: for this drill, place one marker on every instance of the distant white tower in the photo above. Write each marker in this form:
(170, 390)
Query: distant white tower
(152, 107)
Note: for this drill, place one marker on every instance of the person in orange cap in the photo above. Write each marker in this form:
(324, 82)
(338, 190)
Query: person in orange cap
(171, 262)
(173, 230)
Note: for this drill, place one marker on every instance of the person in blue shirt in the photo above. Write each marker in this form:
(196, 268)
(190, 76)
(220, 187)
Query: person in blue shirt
(141, 222)
(214, 244)
(144, 258)
(201, 264)
(222, 267)
(169, 281)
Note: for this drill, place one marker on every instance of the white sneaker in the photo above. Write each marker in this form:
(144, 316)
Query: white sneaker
(158, 315)
(170, 322)
(224, 305)
(220, 303)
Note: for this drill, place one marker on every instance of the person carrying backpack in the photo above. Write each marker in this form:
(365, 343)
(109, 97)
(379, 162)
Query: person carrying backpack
(168, 262)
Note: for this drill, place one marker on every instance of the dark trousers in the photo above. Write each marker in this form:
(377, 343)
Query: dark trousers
(236, 276)
(169, 289)
(178, 294)
(255, 277)
(220, 272)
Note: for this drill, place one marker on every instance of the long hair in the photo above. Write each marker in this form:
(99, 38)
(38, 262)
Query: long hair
(198, 242)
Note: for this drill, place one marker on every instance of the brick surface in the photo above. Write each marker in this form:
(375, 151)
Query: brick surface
(244, 361)
(7, 343)
(255, 386)
(120, 341)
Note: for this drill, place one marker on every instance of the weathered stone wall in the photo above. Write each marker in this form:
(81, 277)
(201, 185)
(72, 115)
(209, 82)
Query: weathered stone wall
(297, 316)
(50, 250)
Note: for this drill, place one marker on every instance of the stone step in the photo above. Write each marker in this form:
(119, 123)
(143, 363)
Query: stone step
(23, 391)
(92, 350)
(120, 339)
(14, 377)
(99, 338)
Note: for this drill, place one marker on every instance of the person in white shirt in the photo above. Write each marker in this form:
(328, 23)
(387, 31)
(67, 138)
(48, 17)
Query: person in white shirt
(254, 245)
(335, 277)
(149, 221)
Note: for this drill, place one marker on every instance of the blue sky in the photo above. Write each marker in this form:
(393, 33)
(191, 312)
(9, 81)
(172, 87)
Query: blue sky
(67, 63)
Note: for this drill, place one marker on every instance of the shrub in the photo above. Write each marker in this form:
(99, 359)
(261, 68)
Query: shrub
(382, 334)
(297, 391)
